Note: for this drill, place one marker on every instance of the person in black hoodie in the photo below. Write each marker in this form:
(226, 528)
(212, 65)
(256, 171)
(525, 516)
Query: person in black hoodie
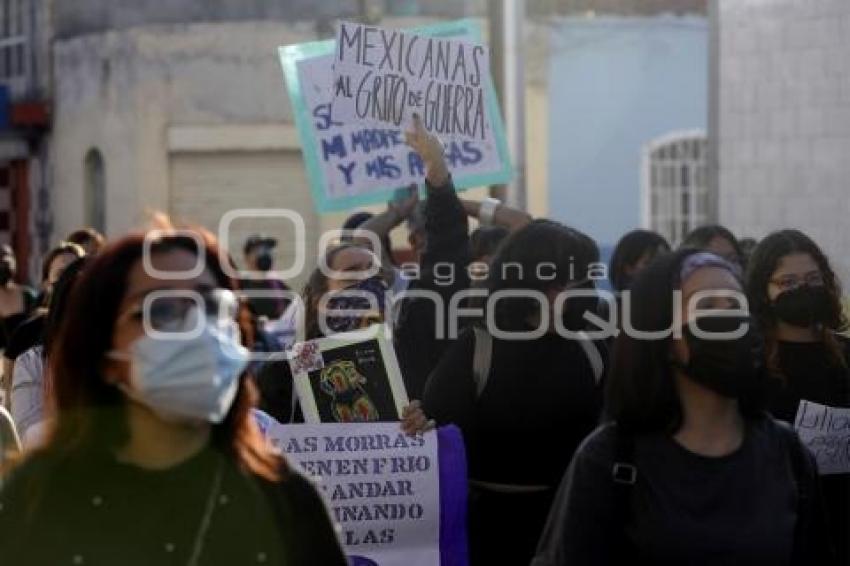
(535, 397)
(688, 468)
(796, 297)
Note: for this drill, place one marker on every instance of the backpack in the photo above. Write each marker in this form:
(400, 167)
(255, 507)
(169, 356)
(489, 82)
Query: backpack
(481, 362)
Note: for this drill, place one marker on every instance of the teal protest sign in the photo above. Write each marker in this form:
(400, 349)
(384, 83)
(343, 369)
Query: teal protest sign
(351, 164)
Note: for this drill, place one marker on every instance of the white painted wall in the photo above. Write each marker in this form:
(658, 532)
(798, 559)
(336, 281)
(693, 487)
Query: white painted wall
(784, 120)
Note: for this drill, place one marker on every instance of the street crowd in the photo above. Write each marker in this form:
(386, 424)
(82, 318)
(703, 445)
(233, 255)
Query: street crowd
(652, 424)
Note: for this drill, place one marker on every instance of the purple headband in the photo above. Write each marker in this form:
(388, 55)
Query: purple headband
(706, 259)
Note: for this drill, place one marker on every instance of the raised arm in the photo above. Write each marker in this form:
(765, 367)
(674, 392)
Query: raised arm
(430, 150)
(446, 226)
(420, 338)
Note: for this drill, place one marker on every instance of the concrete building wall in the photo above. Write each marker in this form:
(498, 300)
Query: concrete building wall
(783, 122)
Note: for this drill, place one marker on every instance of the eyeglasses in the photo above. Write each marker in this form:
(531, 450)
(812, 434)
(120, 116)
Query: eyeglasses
(792, 281)
(176, 310)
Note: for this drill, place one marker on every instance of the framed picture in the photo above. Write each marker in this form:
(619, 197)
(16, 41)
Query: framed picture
(349, 377)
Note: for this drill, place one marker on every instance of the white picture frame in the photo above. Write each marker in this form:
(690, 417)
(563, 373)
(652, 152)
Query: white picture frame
(344, 377)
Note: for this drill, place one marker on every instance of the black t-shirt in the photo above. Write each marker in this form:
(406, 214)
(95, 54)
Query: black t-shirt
(28, 334)
(99, 512)
(810, 372)
(685, 508)
(540, 401)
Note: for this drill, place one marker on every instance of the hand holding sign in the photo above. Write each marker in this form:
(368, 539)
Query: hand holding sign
(404, 201)
(414, 420)
(430, 150)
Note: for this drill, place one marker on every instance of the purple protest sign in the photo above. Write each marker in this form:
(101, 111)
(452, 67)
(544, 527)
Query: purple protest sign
(453, 496)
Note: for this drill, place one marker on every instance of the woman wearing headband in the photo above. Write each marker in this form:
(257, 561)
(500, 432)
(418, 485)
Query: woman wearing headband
(688, 469)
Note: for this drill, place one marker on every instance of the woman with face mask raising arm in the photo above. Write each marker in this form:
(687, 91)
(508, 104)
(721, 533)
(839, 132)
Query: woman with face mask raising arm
(153, 456)
(689, 469)
(796, 298)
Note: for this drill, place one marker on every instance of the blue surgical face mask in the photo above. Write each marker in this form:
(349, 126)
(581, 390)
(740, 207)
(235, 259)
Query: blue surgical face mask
(194, 376)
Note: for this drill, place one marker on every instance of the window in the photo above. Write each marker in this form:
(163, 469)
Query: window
(95, 191)
(674, 196)
(14, 16)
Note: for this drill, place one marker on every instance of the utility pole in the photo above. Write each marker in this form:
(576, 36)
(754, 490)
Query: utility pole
(713, 157)
(507, 24)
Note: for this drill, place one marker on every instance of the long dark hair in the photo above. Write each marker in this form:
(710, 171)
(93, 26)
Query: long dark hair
(91, 413)
(641, 395)
(763, 263)
(515, 266)
(631, 247)
(59, 299)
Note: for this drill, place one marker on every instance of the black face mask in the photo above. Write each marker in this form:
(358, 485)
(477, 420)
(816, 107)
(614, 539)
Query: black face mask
(729, 367)
(5, 273)
(264, 261)
(804, 306)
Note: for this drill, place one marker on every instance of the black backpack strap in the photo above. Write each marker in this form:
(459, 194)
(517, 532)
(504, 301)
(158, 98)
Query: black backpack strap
(624, 473)
(804, 478)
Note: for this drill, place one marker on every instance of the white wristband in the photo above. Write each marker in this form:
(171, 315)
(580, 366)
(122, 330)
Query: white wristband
(487, 210)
